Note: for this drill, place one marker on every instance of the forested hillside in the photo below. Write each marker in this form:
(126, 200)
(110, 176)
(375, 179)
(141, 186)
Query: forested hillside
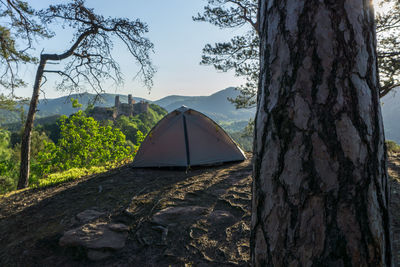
(62, 105)
(216, 106)
(65, 148)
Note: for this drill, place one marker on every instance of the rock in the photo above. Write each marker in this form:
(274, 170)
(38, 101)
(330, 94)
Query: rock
(221, 217)
(164, 231)
(89, 215)
(172, 215)
(94, 236)
(97, 255)
(118, 227)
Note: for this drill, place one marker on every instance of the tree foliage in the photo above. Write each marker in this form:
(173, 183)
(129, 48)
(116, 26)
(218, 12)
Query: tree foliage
(65, 149)
(241, 53)
(7, 166)
(388, 35)
(83, 143)
(17, 33)
(88, 61)
(5, 151)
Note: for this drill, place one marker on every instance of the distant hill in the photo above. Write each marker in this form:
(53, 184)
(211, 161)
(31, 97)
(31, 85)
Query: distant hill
(216, 105)
(16, 126)
(62, 105)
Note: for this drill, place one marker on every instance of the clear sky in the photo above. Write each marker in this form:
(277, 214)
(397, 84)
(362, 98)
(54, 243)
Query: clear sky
(178, 43)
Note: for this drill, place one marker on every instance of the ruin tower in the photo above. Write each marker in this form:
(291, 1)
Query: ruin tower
(116, 107)
(116, 101)
(130, 105)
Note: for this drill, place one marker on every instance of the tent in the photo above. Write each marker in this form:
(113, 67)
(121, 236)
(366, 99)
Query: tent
(186, 137)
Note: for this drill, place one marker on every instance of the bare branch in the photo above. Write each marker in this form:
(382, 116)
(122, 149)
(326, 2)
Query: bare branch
(61, 73)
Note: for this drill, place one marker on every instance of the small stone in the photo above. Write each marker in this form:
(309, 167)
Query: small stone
(118, 227)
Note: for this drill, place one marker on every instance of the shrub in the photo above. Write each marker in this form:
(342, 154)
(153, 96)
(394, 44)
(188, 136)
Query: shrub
(392, 146)
(83, 143)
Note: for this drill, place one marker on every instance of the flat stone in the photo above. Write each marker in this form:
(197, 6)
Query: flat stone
(89, 215)
(178, 214)
(94, 236)
(97, 255)
(118, 227)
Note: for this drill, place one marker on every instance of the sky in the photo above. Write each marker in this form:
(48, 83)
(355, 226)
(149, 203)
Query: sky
(178, 42)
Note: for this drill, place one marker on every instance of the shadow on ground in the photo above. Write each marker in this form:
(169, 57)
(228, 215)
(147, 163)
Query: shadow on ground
(32, 222)
(201, 217)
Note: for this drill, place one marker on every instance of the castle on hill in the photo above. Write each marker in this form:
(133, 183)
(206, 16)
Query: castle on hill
(120, 109)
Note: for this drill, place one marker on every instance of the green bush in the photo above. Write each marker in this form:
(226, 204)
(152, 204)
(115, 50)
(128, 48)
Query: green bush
(8, 166)
(8, 175)
(78, 146)
(133, 127)
(83, 143)
(392, 146)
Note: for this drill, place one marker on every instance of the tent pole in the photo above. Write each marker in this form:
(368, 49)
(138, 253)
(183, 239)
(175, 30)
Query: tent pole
(186, 141)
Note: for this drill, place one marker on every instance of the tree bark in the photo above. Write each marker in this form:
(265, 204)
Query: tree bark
(320, 189)
(26, 137)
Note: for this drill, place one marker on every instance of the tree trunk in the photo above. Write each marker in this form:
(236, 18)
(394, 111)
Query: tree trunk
(26, 137)
(320, 190)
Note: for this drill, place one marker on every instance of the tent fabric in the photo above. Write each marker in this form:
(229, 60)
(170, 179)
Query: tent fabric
(186, 137)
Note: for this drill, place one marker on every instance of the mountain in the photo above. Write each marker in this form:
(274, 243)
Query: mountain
(62, 105)
(216, 106)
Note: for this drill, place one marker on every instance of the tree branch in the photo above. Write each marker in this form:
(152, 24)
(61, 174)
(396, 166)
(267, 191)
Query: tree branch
(61, 73)
(71, 50)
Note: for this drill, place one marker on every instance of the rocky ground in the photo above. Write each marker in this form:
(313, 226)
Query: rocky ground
(140, 217)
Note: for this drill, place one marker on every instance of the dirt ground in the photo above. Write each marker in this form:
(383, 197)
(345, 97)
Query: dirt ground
(212, 230)
(394, 172)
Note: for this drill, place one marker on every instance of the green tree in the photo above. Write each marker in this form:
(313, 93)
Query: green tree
(7, 165)
(5, 150)
(143, 123)
(83, 143)
(128, 127)
(388, 35)
(241, 53)
(90, 59)
(6, 103)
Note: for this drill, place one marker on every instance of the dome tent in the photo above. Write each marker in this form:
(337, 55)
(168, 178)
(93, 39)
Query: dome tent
(186, 137)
